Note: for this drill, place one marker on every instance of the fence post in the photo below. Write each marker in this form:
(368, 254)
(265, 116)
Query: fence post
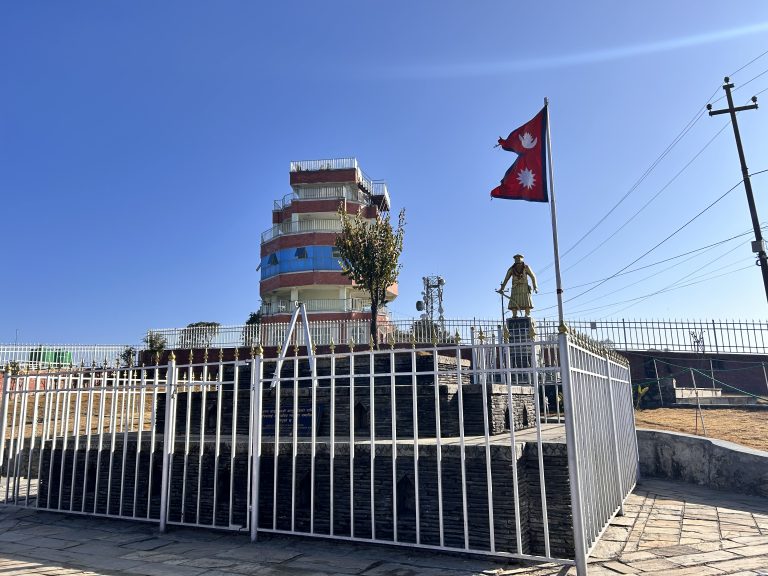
(579, 544)
(257, 375)
(168, 440)
(619, 483)
(4, 412)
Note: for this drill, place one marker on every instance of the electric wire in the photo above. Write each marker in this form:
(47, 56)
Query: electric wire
(645, 296)
(670, 236)
(710, 263)
(686, 129)
(662, 189)
(707, 247)
(755, 59)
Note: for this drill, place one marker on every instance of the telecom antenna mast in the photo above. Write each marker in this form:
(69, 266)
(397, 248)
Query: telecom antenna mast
(432, 300)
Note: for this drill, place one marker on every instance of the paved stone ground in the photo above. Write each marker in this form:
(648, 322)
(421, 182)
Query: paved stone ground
(669, 529)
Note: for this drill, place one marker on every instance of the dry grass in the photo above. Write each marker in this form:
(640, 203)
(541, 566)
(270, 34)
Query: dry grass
(745, 427)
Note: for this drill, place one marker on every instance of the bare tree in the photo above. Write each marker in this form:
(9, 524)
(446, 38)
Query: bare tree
(370, 253)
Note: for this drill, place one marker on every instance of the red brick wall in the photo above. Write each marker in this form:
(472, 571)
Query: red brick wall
(323, 176)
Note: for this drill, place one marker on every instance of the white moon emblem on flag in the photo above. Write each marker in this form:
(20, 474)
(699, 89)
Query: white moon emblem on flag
(527, 141)
(526, 178)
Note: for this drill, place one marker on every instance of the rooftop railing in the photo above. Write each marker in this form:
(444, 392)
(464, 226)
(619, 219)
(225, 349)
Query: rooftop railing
(329, 164)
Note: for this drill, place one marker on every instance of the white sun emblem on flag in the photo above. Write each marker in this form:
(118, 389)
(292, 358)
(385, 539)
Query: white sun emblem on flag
(528, 141)
(526, 178)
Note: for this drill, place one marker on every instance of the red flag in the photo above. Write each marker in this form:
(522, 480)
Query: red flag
(526, 179)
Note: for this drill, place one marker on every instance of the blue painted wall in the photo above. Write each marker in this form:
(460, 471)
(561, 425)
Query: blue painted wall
(319, 258)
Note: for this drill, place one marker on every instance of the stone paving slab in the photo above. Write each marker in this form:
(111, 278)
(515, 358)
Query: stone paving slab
(669, 529)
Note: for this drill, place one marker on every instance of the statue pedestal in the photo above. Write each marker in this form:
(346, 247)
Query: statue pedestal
(520, 329)
(521, 332)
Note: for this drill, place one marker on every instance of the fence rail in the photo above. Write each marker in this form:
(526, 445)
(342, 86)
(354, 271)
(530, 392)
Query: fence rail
(703, 336)
(61, 355)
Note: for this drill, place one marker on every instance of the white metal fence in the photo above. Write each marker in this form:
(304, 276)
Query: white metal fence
(36, 356)
(711, 336)
(454, 447)
(701, 336)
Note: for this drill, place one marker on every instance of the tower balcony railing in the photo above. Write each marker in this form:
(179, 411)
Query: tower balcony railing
(339, 192)
(319, 305)
(302, 226)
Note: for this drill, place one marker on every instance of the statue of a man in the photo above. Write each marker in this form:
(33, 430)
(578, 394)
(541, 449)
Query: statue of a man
(520, 298)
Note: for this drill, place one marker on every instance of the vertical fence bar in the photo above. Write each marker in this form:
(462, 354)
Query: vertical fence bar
(415, 412)
(439, 445)
(33, 437)
(4, 413)
(313, 438)
(534, 376)
(484, 369)
(372, 430)
(257, 377)
(277, 384)
(573, 458)
(462, 447)
(614, 437)
(170, 398)
(393, 430)
(332, 447)
(217, 448)
(351, 440)
(513, 447)
(233, 449)
(294, 438)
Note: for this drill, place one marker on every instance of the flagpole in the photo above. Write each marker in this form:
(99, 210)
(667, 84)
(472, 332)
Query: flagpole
(553, 209)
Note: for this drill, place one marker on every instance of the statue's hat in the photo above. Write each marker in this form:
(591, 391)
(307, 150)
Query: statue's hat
(519, 256)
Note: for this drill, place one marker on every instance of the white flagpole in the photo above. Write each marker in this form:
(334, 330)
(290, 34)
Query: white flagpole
(553, 209)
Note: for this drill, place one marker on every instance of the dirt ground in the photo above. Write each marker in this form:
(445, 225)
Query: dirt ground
(745, 427)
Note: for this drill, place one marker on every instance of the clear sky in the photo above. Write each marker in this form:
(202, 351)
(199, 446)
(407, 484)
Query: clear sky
(143, 143)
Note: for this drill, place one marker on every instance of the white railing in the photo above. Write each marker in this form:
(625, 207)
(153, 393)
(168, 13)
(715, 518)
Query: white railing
(397, 447)
(702, 336)
(330, 164)
(301, 226)
(318, 305)
(346, 192)
(602, 444)
(43, 356)
(326, 332)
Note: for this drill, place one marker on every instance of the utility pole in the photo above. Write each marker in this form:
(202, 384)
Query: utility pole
(758, 245)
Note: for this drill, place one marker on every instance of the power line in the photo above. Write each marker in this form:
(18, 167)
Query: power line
(685, 130)
(668, 286)
(639, 181)
(702, 248)
(663, 188)
(662, 291)
(658, 244)
(695, 280)
(755, 59)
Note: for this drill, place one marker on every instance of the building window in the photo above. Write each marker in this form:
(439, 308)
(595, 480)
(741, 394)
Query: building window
(301, 253)
(335, 252)
(272, 260)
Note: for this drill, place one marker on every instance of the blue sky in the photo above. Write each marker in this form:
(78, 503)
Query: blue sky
(143, 143)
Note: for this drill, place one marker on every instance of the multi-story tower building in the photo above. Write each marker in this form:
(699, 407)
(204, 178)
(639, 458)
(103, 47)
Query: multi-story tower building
(298, 259)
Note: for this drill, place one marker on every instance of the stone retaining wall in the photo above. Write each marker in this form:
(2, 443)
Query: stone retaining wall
(703, 461)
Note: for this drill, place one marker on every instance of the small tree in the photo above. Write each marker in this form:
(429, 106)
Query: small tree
(369, 253)
(251, 329)
(155, 343)
(127, 356)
